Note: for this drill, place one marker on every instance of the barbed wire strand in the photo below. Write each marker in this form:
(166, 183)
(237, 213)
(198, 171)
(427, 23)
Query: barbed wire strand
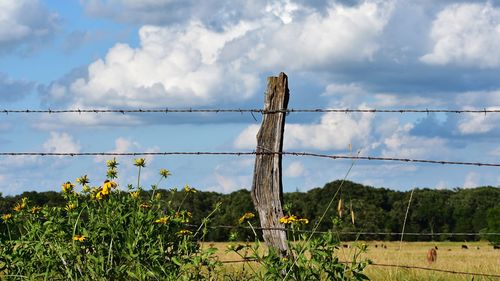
(391, 265)
(351, 232)
(253, 110)
(246, 153)
(431, 269)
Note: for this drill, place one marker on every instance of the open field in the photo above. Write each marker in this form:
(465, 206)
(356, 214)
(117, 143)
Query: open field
(480, 257)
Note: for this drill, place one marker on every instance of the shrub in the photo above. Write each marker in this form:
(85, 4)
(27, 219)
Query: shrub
(103, 233)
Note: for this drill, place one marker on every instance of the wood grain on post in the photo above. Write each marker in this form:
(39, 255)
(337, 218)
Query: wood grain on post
(267, 187)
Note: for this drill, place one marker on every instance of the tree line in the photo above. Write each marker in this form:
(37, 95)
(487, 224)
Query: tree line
(374, 210)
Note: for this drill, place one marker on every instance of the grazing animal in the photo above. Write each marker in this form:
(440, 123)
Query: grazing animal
(496, 247)
(345, 246)
(385, 246)
(465, 247)
(431, 255)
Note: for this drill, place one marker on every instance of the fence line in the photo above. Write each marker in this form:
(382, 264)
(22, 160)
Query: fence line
(431, 269)
(243, 153)
(351, 232)
(391, 265)
(251, 110)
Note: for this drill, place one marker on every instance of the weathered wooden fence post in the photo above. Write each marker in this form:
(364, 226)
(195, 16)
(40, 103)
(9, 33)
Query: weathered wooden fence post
(267, 188)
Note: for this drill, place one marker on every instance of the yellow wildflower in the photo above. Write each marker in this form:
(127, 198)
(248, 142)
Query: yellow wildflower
(112, 174)
(135, 194)
(162, 220)
(100, 195)
(165, 173)
(21, 205)
(83, 180)
(184, 232)
(189, 189)
(79, 238)
(246, 216)
(107, 186)
(69, 207)
(112, 164)
(140, 162)
(67, 187)
(6, 217)
(35, 210)
(288, 219)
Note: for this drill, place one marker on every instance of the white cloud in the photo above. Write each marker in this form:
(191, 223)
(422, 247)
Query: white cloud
(466, 34)
(317, 40)
(24, 21)
(195, 65)
(173, 66)
(403, 145)
(295, 169)
(471, 180)
(283, 9)
(334, 131)
(474, 123)
(61, 143)
(233, 175)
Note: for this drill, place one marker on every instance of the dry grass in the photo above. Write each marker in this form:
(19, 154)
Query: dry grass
(450, 256)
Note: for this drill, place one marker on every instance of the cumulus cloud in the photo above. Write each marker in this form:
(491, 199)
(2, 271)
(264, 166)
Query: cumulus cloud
(61, 143)
(173, 66)
(472, 123)
(13, 90)
(466, 34)
(316, 40)
(334, 131)
(24, 23)
(194, 64)
(402, 144)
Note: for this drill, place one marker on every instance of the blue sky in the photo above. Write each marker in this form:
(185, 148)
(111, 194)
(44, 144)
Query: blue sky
(110, 54)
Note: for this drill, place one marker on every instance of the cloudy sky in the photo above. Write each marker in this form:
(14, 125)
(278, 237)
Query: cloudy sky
(148, 54)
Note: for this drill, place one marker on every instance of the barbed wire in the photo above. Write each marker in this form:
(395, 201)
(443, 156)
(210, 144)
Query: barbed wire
(251, 110)
(431, 269)
(246, 153)
(389, 265)
(351, 232)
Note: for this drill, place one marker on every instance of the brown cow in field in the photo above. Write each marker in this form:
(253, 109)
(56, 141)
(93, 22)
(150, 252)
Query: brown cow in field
(432, 255)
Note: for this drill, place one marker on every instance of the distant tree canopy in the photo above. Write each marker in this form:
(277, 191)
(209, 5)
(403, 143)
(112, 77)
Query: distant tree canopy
(375, 210)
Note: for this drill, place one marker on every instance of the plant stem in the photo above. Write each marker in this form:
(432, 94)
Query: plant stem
(139, 178)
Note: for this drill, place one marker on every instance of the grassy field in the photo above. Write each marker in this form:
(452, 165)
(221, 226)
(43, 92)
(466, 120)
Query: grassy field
(480, 257)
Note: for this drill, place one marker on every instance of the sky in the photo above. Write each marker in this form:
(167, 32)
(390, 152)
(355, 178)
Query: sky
(156, 54)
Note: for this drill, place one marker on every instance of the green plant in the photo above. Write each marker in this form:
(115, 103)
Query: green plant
(103, 233)
(309, 258)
